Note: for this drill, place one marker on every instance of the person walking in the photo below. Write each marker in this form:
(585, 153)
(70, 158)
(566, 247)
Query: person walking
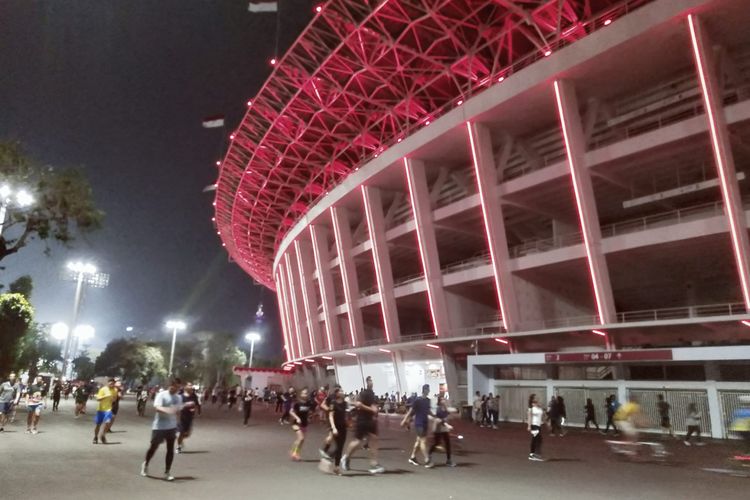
(590, 414)
(534, 420)
(247, 405)
(82, 396)
(105, 397)
(442, 432)
(167, 405)
(56, 395)
(115, 403)
(190, 407)
(9, 394)
(663, 407)
(34, 405)
(693, 422)
(421, 413)
(555, 418)
(477, 408)
(367, 412)
(611, 405)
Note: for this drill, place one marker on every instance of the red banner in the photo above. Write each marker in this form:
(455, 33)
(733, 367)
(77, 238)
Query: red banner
(609, 356)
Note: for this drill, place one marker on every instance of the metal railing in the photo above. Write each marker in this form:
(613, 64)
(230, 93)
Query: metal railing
(471, 262)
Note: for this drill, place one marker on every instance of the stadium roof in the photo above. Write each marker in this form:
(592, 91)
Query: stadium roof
(362, 76)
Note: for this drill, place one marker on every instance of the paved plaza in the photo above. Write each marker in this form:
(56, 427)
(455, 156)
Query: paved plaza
(224, 458)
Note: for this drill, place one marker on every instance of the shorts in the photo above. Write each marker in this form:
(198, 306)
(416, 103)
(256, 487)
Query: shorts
(6, 408)
(365, 428)
(35, 408)
(186, 425)
(628, 429)
(421, 430)
(665, 422)
(158, 436)
(103, 417)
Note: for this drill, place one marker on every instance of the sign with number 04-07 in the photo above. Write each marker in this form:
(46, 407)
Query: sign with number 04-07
(609, 356)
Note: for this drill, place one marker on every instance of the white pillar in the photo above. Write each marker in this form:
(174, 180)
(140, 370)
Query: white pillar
(494, 224)
(419, 195)
(382, 261)
(722, 148)
(291, 324)
(343, 235)
(282, 316)
(308, 294)
(320, 252)
(567, 106)
(297, 317)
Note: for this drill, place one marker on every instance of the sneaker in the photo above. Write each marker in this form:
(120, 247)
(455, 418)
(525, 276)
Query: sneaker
(413, 461)
(168, 476)
(336, 471)
(687, 443)
(144, 469)
(536, 458)
(296, 457)
(28, 431)
(377, 469)
(344, 463)
(104, 440)
(450, 463)
(34, 431)
(95, 441)
(323, 454)
(429, 465)
(179, 450)
(1, 429)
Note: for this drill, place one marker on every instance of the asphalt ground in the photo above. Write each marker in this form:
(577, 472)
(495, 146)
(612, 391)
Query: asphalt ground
(225, 459)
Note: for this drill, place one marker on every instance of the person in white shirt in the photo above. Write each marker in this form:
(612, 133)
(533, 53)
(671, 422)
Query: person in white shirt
(167, 405)
(534, 422)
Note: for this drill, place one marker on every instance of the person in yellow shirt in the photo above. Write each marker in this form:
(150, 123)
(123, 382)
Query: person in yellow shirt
(106, 395)
(628, 418)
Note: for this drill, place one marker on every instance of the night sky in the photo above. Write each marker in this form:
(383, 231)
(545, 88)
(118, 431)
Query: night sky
(120, 88)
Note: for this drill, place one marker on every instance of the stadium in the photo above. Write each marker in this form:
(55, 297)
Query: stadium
(506, 196)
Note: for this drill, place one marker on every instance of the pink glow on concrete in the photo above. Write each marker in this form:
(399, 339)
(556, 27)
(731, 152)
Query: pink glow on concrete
(284, 332)
(582, 217)
(723, 176)
(487, 229)
(420, 243)
(305, 297)
(432, 346)
(599, 332)
(502, 341)
(344, 277)
(323, 295)
(385, 350)
(293, 300)
(376, 257)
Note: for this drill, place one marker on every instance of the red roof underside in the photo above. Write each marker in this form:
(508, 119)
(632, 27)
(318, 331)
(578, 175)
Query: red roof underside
(362, 75)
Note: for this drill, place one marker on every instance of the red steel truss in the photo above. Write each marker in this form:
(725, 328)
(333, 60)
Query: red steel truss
(363, 75)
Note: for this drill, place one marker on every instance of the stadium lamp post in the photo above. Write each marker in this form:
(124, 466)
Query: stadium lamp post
(61, 331)
(175, 326)
(83, 273)
(251, 337)
(22, 199)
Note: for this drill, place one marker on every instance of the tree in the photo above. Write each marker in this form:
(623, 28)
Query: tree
(16, 315)
(83, 366)
(131, 359)
(35, 352)
(220, 355)
(22, 285)
(63, 202)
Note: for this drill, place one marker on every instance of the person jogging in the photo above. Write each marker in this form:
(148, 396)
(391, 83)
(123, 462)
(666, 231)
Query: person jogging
(34, 404)
(190, 407)
(421, 412)
(300, 414)
(367, 412)
(167, 405)
(105, 397)
(337, 416)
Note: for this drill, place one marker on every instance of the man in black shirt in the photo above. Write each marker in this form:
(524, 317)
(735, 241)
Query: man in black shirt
(367, 412)
(337, 420)
(190, 405)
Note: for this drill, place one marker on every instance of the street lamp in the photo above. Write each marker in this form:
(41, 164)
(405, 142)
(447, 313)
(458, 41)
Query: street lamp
(251, 337)
(59, 331)
(22, 199)
(174, 325)
(83, 273)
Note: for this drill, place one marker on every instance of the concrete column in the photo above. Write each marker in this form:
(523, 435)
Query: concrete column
(382, 261)
(451, 377)
(419, 195)
(494, 224)
(282, 316)
(291, 324)
(575, 144)
(296, 314)
(320, 252)
(343, 234)
(400, 370)
(308, 294)
(722, 148)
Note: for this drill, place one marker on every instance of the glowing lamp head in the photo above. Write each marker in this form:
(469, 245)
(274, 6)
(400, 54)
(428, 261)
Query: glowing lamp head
(5, 191)
(218, 163)
(249, 103)
(231, 137)
(599, 332)
(24, 198)
(547, 53)
(59, 331)
(174, 324)
(84, 332)
(318, 9)
(502, 341)
(501, 79)
(252, 337)
(273, 61)
(607, 22)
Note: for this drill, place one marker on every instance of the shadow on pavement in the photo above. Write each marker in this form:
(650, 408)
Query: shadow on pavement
(195, 452)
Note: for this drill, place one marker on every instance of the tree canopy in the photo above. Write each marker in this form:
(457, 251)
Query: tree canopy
(63, 202)
(132, 360)
(16, 315)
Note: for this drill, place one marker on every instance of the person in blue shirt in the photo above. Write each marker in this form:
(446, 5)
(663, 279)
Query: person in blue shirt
(421, 412)
(167, 405)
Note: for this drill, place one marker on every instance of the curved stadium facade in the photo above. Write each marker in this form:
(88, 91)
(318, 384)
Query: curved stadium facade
(506, 196)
